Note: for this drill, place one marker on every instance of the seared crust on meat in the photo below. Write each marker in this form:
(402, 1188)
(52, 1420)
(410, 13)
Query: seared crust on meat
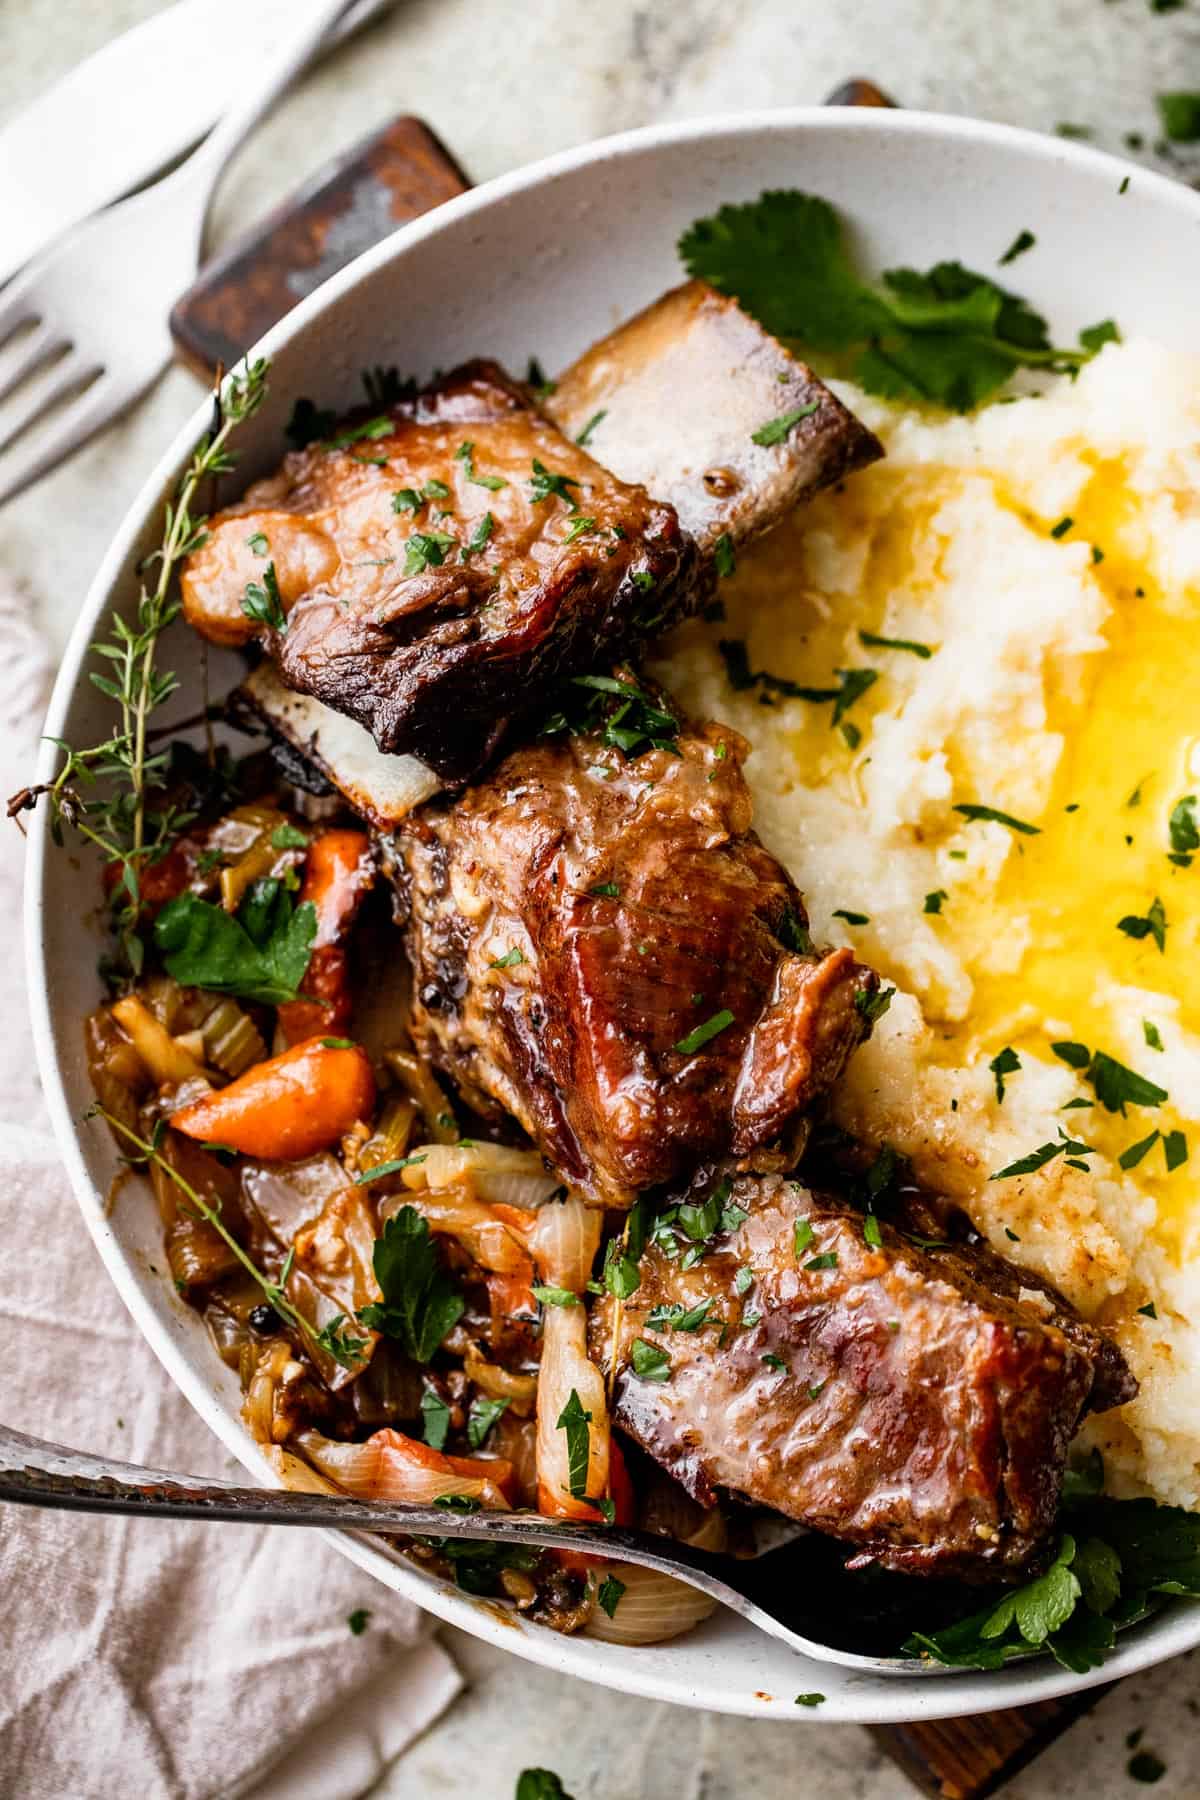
(432, 585)
(579, 916)
(916, 1402)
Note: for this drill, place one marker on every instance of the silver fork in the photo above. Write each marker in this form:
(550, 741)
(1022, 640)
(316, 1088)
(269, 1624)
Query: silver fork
(95, 307)
(779, 1592)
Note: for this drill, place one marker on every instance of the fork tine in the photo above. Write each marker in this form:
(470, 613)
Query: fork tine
(16, 307)
(31, 352)
(68, 433)
(26, 410)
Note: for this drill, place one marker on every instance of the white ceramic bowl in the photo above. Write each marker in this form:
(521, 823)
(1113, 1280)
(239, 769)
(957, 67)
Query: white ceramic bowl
(542, 262)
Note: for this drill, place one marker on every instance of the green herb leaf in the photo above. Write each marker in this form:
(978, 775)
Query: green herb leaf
(435, 1417)
(871, 641)
(479, 537)
(425, 550)
(406, 500)
(769, 1357)
(1129, 1159)
(949, 336)
(261, 601)
(420, 1302)
(1037, 1159)
(852, 918)
(1061, 529)
(259, 543)
(357, 1620)
(1094, 337)
(547, 486)
(1184, 830)
(826, 1260)
(1175, 1150)
(809, 1700)
(1151, 1034)
(872, 1006)
(481, 1417)
(1117, 1087)
(355, 434)
(378, 1171)
(872, 1234)
(650, 1361)
(1152, 924)
(555, 1296)
(287, 837)
(343, 1346)
(933, 902)
(724, 556)
(776, 431)
(695, 1040)
(1005, 1062)
(575, 1421)
(608, 1594)
(803, 1235)
(510, 960)
(581, 523)
(262, 954)
(584, 438)
(1023, 241)
(1180, 115)
(540, 1784)
(972, 813)
(1077, 1055)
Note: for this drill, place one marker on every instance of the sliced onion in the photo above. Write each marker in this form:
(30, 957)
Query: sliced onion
(391, 1467)
(295, 1474)
(417, 1078)
(291, 1196)
(501, 1384)
(497, 1174)
(565, 1367)
(563, 1242)
(652, 1609)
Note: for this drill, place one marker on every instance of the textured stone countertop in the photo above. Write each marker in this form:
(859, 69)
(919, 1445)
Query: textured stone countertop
(503, 85)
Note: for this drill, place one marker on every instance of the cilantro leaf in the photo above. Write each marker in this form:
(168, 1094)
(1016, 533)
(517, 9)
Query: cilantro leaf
(777, 431)
(420, 1302)
(1184, 832)
(1006, 1062)
(650, 1361)
(481, 1417)
(1117, 1087)
(575, 1421)
(261, 954)
(1152, 924)
(609, 1594)
(948, 335)
(435, 1415)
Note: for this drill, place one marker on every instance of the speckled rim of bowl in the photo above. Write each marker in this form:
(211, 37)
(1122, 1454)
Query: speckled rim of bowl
(852, 1698)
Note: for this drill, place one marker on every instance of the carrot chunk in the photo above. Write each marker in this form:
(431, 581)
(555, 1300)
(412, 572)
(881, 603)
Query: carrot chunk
(289, 1107)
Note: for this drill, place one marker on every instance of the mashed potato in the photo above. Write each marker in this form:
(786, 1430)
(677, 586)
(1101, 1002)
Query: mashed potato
(1036, 572)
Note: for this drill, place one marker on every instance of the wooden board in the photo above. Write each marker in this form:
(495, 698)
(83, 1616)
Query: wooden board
(391, 177)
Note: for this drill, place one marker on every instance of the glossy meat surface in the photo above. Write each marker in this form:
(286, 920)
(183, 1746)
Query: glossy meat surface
(440, 568)
(600, 947)
(677, 395)
(888, 1395)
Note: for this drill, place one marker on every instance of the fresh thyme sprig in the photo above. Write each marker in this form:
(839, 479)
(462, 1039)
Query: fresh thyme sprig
(120, 822)
(345, 1349)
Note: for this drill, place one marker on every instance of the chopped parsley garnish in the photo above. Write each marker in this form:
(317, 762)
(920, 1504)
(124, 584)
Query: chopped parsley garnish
(1185, 834)
(478, 537)
(794, 935)
(809, 1700)
(465, 454)
(261, 601)
(993, 815)
(258, 543)
(724, 556)
(870, 640)
(852, 918)
(581, 523)
(744, 1280)
(575, 1421)
(605, 890)
(406, 500)
(1023, 241)
(555, 1296)
(872, 1234)
(1077, 1055)
(803, 1235)
(545, 486)
(873, 1006)
(540, 1784)
(677, 1317)
(636, 721)
(435, 490)
(650, 1361)
(1175, 1149)
(378, 1171)
(509, 960)
(1180, 114)
(1149, 1311)
(826, 1260)
(933, 902)
(1152, 924)
(426, 550)
(776, 431)
(695, 1040)
(357, 1620)
(435, 1418)
(584, 438)
(1064, 525)
(1005, 1062)
(481, 1417)
(1117, 1086)
(852, 683)
(948, 335)
(261, 954)
(354, 434)
(420, 1302)
(772, 1361)
(287, 837)
(457, 1503)
(1071, 1148)
(1151, 1034)
(1129, 1159)
(608, 1594)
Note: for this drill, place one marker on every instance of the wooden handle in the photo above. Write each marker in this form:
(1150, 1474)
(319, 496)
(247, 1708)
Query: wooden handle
(361, 197)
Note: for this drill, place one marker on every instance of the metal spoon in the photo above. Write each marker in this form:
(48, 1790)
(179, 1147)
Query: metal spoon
(775, 1591)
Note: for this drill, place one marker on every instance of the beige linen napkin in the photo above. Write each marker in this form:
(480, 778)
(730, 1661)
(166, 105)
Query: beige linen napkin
(145, 1657)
